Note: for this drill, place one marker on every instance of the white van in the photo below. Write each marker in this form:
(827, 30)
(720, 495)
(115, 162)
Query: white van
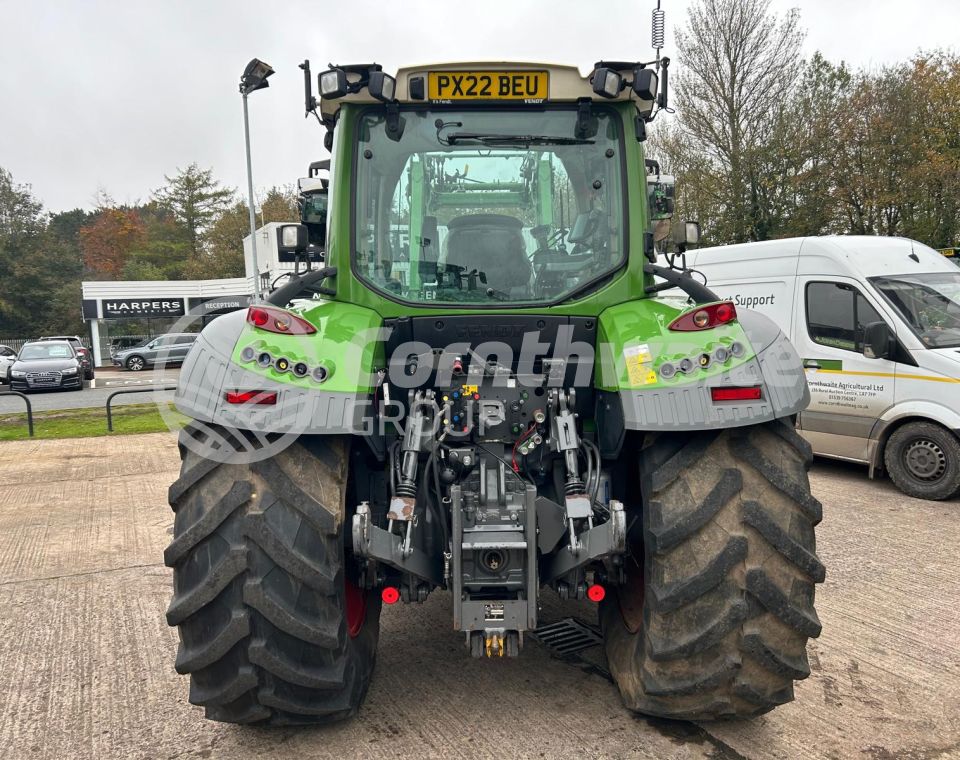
(877, 323)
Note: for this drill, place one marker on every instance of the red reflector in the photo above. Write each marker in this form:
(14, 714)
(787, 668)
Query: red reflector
(390, 595)
(749, 393)
(276, 320)
(705, 317)
(596, 593)
(726, 312)
(258, 316)
(251, 397)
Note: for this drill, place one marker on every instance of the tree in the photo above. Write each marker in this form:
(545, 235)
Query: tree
(108, 241)
(165, 250)
(22, 222)
(737, 66)
(195, 199)
(224, 257)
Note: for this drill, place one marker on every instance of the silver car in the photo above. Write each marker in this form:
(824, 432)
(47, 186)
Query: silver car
(164, 350)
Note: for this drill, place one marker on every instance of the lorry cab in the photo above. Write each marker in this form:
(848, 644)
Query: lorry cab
(876, 321)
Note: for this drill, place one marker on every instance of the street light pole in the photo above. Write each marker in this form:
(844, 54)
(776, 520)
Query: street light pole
(253, 213)
(254, 78)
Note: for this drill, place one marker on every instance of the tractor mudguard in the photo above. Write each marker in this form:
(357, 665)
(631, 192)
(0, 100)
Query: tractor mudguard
(231, 356)
(654, 391)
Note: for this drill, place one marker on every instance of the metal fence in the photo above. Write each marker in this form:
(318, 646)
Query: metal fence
(15, 343)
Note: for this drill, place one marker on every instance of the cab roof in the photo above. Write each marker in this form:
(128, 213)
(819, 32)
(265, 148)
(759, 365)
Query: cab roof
(565, 84)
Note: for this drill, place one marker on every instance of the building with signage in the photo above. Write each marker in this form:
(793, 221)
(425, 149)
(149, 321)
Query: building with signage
(117, 310)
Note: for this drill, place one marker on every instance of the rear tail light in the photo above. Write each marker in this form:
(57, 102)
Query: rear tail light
(261, 398)
(705, 317)
(276, 320)
(737, 393)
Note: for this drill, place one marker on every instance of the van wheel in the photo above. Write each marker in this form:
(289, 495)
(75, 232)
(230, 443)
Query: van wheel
(923, 460)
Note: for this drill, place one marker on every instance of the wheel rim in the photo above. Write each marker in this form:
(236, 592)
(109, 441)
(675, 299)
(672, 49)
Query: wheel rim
(925, 460)
(356, 608)
(136, 364)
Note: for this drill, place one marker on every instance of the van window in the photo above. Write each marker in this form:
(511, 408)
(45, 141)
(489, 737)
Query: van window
(929, 303)
(837, 314)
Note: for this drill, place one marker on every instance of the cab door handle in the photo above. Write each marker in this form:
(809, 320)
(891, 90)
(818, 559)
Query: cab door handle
(811, 364)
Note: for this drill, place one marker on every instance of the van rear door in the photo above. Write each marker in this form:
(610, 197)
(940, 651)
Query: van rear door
(848, 392)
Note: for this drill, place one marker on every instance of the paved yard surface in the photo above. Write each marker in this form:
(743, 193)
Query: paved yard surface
(86, 659)
(108, 381)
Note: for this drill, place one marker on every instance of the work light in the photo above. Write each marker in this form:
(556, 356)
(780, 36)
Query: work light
(607, 82)
(645, 83)
(292, 238)
(382, 86)
(333, 84)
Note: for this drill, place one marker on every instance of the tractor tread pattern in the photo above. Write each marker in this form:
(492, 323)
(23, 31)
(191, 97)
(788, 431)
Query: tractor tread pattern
(259, 592)
(730, 567)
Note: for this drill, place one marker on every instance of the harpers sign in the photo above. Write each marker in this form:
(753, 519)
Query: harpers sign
(143, 307)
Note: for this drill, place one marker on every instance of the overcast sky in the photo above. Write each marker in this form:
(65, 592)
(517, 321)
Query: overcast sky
(115, 94)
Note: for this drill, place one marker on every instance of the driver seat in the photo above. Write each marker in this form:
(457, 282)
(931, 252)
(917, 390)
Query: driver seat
(492, 243)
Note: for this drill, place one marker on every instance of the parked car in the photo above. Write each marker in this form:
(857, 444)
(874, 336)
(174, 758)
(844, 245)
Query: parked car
(123, 342)
(84, 354)
(46, 364)
(7, 357)
(163, 350)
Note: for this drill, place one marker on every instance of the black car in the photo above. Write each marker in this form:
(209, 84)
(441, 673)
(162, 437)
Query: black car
(46, 364)
(83, 353)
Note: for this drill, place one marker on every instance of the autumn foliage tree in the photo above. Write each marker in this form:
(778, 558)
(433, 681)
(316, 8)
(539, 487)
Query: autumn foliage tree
(766, 145)
(108, 242)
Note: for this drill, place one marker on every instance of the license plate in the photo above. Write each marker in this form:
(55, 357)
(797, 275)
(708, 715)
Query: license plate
(488, 85)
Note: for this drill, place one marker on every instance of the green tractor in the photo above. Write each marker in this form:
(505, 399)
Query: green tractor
(480, 390)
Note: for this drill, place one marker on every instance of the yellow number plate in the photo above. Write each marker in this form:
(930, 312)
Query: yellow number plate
(487, 85)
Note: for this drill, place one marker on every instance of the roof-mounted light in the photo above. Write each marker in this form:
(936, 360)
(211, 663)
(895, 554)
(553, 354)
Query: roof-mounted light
(607, 83)
(382, 86)
(645, 83)
(333, 84)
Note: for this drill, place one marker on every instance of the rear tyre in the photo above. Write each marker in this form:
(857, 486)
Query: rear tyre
(923, 460)
(272, 628)
(136, 363)
(714, 618)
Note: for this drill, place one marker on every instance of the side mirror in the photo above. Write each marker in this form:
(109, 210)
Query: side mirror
(878, 341)
(292, 238)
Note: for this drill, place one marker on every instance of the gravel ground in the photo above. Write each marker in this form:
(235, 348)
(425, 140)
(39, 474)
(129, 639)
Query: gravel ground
(86, 658)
